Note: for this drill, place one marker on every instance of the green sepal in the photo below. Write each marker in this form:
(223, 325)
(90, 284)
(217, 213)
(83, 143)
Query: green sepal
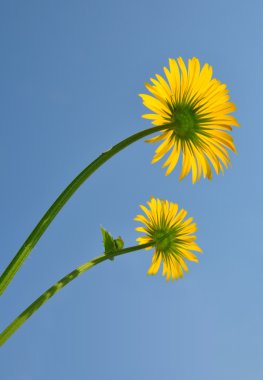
(111, 244)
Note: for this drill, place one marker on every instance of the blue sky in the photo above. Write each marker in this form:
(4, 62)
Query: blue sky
(71, 72)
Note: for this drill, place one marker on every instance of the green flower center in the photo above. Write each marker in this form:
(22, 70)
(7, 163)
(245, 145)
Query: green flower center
(185, 122)
(163, 240)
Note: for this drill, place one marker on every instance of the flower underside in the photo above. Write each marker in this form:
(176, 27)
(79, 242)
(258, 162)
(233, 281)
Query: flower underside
(170, 235)
(195, 108)
(185, 122)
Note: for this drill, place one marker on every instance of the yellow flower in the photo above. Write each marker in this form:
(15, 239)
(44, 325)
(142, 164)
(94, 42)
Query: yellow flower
(196, 110)
(170, 235)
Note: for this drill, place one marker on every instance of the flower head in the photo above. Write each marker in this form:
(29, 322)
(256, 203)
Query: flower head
(196, 110)
(170, 235)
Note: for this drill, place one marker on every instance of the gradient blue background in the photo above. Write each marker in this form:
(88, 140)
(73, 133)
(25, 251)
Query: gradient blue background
(71, 72)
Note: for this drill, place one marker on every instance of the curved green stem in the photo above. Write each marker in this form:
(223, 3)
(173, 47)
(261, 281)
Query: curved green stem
(21, 319)
(43, 224)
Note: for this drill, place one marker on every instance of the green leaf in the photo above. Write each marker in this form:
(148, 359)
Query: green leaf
(108, 240)
(119, 243)
(111, 245)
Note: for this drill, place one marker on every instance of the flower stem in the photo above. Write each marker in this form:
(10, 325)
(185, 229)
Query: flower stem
(21, 319)
(51, 213)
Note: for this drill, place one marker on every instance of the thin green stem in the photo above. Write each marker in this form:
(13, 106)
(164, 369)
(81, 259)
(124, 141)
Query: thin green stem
(43, 224)
(21, 319)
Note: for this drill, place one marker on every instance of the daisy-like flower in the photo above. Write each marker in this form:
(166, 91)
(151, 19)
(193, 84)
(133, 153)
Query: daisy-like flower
(196, 110)
(171, 236)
